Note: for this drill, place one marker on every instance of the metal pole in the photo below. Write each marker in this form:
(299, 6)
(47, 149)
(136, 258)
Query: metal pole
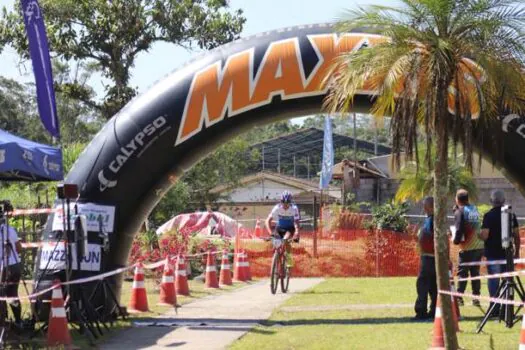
(315, 225)
(375, 137)
(263, 157)
(279, 160)
(355, 139)
(294, 172)
(308, 167)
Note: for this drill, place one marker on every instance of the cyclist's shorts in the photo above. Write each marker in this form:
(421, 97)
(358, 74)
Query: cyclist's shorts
(282, 231)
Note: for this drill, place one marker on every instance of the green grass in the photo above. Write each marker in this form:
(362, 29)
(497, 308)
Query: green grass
(375, 329)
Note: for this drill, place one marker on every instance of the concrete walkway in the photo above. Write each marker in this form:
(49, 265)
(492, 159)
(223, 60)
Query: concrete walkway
(209, 323)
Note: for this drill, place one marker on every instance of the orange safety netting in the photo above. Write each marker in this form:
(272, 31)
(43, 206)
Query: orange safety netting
(342, 253)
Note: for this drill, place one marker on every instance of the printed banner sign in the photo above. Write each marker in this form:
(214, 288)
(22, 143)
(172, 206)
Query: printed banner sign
(39, 51)
(57, 257)
(92, 212)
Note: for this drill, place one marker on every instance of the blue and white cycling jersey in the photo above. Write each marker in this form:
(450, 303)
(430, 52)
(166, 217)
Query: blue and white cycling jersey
(285, 218)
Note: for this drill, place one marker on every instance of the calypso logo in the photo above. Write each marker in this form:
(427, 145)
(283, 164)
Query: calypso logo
(139, 142)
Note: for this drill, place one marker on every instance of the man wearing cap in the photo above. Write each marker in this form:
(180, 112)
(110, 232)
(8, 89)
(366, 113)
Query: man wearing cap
(467, 236)
(491, 234)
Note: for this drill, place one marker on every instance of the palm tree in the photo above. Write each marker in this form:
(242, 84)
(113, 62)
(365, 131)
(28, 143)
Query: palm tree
(418, 181)
(450, 66)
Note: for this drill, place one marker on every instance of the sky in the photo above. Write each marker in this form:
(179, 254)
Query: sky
(163, 58)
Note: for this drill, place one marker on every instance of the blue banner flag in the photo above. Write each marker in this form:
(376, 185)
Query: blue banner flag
(39, 51)
(328, 155)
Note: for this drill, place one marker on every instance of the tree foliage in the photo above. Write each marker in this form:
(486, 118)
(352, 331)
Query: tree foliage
(448, 65)
(418, 183)
(227, 165)
(113, 33)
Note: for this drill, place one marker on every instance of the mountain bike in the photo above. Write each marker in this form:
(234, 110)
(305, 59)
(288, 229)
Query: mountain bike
(280, 271)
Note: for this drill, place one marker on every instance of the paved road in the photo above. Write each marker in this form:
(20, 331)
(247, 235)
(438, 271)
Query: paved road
(209, 323)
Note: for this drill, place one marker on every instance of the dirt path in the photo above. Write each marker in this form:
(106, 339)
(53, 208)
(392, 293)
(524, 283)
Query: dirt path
(209, 323)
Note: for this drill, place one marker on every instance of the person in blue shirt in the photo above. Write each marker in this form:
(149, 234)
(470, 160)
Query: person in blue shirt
(426, 280)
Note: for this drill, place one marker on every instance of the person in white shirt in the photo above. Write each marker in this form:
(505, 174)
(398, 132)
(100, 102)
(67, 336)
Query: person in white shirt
(285, 216)
(11, 267)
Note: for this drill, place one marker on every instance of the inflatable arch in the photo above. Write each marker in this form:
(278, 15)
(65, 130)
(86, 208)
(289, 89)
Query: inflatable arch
(142, 151)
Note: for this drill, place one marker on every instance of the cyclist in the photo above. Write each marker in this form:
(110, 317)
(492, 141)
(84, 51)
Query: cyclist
(285, 216)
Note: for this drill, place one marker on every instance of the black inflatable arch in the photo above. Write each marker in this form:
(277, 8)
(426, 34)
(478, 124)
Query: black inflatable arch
(144, 149)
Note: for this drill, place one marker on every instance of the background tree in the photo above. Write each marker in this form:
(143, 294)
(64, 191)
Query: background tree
(227, 165)
(418, 182)
(113, 33)
(430, 43)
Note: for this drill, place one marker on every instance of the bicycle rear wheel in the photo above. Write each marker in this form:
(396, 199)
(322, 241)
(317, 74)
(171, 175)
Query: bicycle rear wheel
(285, 275)
(274, 278)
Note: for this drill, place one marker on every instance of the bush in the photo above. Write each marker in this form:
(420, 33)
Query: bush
(390, 216)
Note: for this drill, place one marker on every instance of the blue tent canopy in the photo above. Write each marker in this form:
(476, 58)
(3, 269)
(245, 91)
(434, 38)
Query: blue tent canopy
(25, 160)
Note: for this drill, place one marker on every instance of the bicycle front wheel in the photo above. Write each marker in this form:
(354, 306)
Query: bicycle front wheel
(285, 276)
(274, 278)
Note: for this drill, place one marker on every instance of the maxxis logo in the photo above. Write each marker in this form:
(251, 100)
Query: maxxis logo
(138, 144)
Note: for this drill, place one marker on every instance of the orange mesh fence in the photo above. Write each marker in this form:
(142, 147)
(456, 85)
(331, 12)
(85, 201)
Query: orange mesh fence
(342, 253)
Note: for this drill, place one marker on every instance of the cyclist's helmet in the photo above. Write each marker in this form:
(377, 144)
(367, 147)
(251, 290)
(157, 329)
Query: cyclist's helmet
(286, 197)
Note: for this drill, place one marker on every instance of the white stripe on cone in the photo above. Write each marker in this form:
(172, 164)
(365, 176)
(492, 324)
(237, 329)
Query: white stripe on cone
(57, 293)
(226, 267)
(58, 312)
(210, 269)
(438, 312)
(167, 279)
(522, 347)
(181, 272)
(243, 264)
(138, 285)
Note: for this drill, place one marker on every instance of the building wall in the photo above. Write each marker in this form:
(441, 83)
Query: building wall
(260, 191)
(367, 192)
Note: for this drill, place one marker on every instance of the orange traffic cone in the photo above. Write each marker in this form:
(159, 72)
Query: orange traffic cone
(167, 286)
(239, 272)
(258, 229)
(247, 270)
(438, 342)
(211, 272)
(181, 278)
(139, 299)
(226, 271)
(522, 334)
(57, 331)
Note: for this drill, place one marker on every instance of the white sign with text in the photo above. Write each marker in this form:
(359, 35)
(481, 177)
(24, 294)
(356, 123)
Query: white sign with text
(55, 259)
(92, 212)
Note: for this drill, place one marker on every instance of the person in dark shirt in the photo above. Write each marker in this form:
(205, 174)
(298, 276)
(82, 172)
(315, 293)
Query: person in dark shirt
(467, 226)
(426, 280)
(491, 234)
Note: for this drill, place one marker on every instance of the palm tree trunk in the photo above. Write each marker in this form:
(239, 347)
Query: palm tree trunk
(440, 223)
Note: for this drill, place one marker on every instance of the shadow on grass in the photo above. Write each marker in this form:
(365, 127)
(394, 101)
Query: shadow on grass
(327, 292)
